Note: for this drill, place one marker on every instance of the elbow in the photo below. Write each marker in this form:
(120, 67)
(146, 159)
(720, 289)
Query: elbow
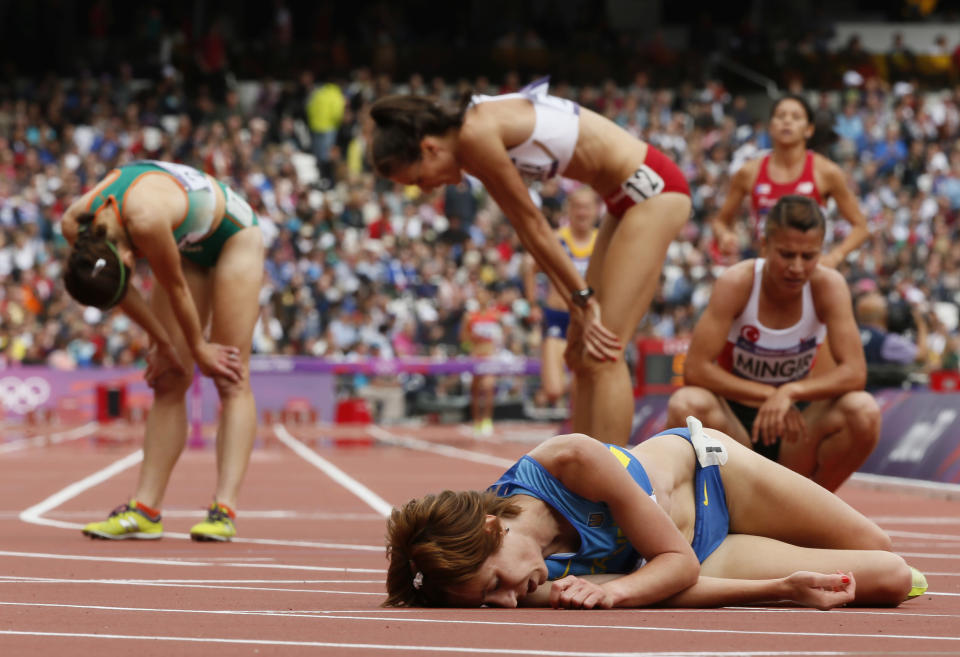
(691, 571)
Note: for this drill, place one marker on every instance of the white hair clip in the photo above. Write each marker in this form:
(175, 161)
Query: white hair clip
(418, 580)
(97, 266)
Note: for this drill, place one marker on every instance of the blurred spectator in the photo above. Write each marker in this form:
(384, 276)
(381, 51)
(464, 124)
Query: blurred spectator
(882, 347)
(325, 110)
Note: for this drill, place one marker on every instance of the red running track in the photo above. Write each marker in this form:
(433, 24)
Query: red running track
(306, 576)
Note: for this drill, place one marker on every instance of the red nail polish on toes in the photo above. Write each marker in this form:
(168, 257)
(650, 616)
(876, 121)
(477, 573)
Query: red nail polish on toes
(845, 579)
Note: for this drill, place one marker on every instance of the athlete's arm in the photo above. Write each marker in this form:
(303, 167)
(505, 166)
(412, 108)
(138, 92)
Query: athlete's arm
(152, 234)
(701, 367)
(725, 219)
(849, 207)
(588, 468)
(831, 299)
(486, 158)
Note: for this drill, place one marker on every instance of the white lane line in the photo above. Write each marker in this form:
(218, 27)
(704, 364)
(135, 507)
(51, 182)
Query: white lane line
(936, 537)
(415, 615)
(222, 580)
(34, 514)
(275, 514)
(437, 448)
(929, 555)
(60, 582)
(376, 502)
(539, 624)
(940, 488)
(422, 649)
(49, 438)
(171, 562)
(916, 520)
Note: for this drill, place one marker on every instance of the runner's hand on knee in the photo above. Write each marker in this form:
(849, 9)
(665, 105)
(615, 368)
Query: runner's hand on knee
(162, 359)
(601, 343)
(217, 360)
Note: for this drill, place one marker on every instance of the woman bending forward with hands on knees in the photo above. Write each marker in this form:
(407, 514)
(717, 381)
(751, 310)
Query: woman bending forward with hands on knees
(205, 250)
(688, 518)
(509, 140)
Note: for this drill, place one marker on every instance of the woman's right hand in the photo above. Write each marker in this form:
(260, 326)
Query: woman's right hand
(162, 359)
(218, 360)
(599, 342)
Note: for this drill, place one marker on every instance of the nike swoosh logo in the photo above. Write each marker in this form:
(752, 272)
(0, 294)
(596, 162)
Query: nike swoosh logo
(706, 500)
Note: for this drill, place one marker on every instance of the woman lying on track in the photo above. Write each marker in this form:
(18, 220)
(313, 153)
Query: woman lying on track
(688, 518)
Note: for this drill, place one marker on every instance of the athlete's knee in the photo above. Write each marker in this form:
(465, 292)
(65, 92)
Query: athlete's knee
(863, 418)
(593, 368)
(689, 400)
(228, 389)
(553, 390)
(172, 385)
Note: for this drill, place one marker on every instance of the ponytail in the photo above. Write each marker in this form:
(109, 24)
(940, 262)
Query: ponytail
(95, 274)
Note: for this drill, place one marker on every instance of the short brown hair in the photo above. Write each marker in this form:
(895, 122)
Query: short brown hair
(443, 538)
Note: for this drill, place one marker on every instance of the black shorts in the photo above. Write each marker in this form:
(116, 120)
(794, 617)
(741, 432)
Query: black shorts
(747, 416)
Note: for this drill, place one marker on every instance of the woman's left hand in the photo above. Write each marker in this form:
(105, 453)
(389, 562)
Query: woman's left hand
(775, 420)
(219, 360)
(573, 592)
(600, 342)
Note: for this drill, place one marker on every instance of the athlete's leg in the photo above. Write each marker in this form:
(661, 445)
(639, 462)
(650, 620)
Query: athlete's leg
(766, 499)
(553, 378)
(882, 578)
(166, 428)
(237, 278)
(841, 435)
(625, 272)
(706, 406)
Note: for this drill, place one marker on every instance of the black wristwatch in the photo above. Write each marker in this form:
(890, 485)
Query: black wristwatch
(580, 297)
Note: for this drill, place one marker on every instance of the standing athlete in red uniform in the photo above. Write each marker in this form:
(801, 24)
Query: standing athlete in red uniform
(790, 168)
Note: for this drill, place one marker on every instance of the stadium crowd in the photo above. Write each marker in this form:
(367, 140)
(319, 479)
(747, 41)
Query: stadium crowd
(358, 266)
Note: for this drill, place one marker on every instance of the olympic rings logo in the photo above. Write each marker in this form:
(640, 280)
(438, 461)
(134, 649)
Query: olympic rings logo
(23, 396)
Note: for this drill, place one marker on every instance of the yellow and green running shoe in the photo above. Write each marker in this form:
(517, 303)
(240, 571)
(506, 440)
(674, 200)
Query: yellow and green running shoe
(217, 527)
(127, 521)
(918, 585)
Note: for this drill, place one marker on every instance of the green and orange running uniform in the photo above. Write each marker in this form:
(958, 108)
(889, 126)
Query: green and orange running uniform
(196, 236)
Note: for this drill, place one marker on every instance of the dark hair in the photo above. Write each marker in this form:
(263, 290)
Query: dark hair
(824, 136)
(437, 542)
(95, 274)
(402, 121)
(794, 211)
(798, 98)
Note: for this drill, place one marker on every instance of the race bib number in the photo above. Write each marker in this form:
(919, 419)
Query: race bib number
(191, 179)
(643, 184)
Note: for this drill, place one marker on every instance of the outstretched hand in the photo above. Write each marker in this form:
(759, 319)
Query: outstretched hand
(821, 591)
(573, 592)
(217, 360)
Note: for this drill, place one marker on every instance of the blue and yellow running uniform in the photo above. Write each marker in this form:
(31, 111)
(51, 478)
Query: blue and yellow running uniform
(603, 547)
(556, 321)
